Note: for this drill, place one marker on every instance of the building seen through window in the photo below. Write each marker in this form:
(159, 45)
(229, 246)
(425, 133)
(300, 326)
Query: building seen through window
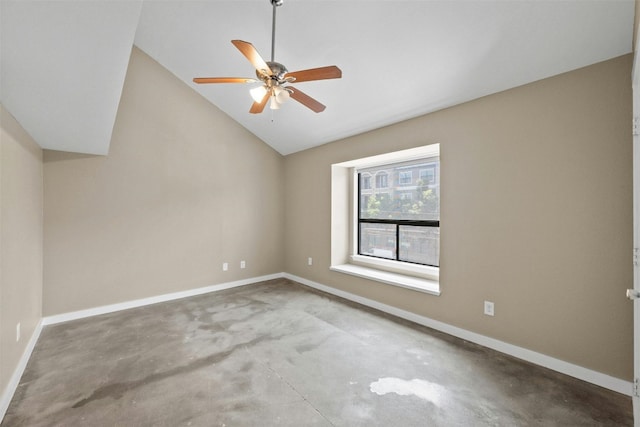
(381, 179)
(366, 181)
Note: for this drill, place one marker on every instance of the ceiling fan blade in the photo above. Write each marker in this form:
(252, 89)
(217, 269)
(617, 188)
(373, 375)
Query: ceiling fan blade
(322, 73)
(223, 80)
(252, 55)
(306, 100)
(258, 107)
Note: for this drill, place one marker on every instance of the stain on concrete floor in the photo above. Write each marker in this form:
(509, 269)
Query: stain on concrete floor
(279, 354)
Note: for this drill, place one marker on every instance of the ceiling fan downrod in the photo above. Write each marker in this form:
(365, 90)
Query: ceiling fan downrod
(275, 4)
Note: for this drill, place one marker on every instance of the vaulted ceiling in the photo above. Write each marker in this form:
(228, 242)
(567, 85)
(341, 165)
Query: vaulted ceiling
(63, 63)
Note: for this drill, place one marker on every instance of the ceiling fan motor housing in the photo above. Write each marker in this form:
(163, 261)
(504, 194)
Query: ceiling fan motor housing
(278, 71)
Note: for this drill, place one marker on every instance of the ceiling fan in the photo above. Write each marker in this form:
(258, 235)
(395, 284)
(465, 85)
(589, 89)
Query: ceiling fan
(276, 79)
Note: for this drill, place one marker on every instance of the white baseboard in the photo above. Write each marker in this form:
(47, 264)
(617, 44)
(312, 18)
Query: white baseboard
(584, 374)
(10, 389)
(81, 314)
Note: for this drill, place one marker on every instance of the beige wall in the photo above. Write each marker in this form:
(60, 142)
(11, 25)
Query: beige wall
(536, 215)
(183, 189)
(20, 242)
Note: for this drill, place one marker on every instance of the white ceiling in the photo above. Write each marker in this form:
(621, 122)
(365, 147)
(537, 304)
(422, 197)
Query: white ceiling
(62, 68)
(63, 63)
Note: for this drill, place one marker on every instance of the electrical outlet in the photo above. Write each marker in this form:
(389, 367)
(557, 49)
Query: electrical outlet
(243, 264)
(18, 332)
(225, 266)
(489, 308)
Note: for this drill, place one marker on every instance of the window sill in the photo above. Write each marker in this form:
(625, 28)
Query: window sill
(402, 268)
(396, 279)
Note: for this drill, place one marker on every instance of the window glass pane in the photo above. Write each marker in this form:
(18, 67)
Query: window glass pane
(378, 240)
(420, 244)
(408, 190)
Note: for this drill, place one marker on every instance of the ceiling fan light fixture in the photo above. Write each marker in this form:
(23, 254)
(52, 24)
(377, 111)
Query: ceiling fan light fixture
(257, 93)
(281, 94)
(274, 105)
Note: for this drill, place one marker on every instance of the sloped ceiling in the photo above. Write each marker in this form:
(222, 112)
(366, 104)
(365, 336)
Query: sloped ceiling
(62, 68)
(63, 63)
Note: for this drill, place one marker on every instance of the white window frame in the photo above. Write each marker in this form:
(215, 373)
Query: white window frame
(344, 238)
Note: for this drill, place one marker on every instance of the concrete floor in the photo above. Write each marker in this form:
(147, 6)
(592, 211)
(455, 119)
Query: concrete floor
(280, 354)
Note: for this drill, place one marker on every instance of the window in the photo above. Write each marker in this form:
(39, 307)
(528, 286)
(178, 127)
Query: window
(381, 180)
(389, 232)
(405, 178)
(366, 182)
(400, 225)
(428, 175)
